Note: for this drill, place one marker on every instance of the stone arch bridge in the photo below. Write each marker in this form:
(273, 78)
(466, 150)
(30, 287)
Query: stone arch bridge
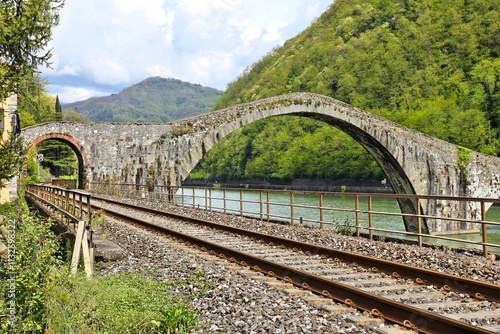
(165, 154)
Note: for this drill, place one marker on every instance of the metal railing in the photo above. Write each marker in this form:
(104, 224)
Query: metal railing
(71, 205)
(360, 216)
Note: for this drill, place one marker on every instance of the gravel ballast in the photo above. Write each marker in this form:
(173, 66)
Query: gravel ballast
(238, 304)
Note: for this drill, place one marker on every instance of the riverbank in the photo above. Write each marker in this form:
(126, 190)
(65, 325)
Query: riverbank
(343, 185)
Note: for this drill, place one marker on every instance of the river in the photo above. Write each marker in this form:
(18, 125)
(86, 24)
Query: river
(306, 207)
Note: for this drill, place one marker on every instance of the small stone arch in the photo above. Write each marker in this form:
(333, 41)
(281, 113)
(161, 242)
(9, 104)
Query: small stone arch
(76, 146)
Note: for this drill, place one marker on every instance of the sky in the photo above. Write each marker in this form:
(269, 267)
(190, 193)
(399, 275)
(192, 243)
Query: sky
(103, 46)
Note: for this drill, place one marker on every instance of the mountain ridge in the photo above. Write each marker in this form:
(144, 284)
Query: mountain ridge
(153, 100)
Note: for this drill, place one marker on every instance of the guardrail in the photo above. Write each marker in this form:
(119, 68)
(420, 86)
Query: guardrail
(363, 211)
(69, 207)
(72, 206)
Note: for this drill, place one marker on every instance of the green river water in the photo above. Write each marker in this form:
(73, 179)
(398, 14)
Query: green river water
(332, 212)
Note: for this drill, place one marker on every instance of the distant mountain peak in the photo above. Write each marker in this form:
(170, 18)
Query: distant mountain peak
(154, 99)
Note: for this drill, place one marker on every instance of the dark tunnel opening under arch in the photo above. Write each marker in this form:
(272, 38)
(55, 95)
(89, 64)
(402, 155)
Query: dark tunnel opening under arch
(80, 156)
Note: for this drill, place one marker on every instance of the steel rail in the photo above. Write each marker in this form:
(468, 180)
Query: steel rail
(408, 316)
(477, 289)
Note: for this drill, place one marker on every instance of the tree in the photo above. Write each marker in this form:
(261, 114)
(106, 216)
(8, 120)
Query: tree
(25, 31)
(33, 99)
(58, 157)
(11, 153)
(58, 110)
(429, 65)
(71, 115)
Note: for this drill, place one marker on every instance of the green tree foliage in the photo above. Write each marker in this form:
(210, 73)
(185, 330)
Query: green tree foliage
(58, 157)
(35, 106)
(11, 154)
(58, 110)
(430, 65)
(153, 100)
(72, 116)
(285, 148)
(25, 31)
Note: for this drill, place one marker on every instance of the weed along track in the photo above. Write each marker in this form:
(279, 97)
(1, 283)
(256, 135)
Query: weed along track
(418, 299)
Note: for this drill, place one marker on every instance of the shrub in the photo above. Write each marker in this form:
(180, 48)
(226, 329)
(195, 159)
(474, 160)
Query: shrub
(33, 251)
(345, 227)
(122, 303)
(42, 297)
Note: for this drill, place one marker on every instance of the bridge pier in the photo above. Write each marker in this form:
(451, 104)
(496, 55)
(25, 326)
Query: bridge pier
(413, 224)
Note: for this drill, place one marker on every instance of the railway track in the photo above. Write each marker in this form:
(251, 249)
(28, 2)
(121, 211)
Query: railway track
(419, 299)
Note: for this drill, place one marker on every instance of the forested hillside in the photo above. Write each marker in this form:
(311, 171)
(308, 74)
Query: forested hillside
(154, 100)
(431, 65)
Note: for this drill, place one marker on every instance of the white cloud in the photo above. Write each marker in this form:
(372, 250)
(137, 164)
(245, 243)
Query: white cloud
(71, 94)
(273, 32)
(118, 43)
(109, 72)
(204, 8)
(209, 66)
(159, 70)
(69, 69)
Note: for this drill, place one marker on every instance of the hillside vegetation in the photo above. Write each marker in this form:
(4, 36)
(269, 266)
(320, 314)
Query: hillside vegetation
(153, 100)
(430, 65)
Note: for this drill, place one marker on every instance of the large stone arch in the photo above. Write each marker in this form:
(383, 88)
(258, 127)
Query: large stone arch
(414, 163)
(75, 146)
(338, 114)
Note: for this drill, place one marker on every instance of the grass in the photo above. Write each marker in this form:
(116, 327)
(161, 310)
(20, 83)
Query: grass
(122, 303)
(48, 300)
